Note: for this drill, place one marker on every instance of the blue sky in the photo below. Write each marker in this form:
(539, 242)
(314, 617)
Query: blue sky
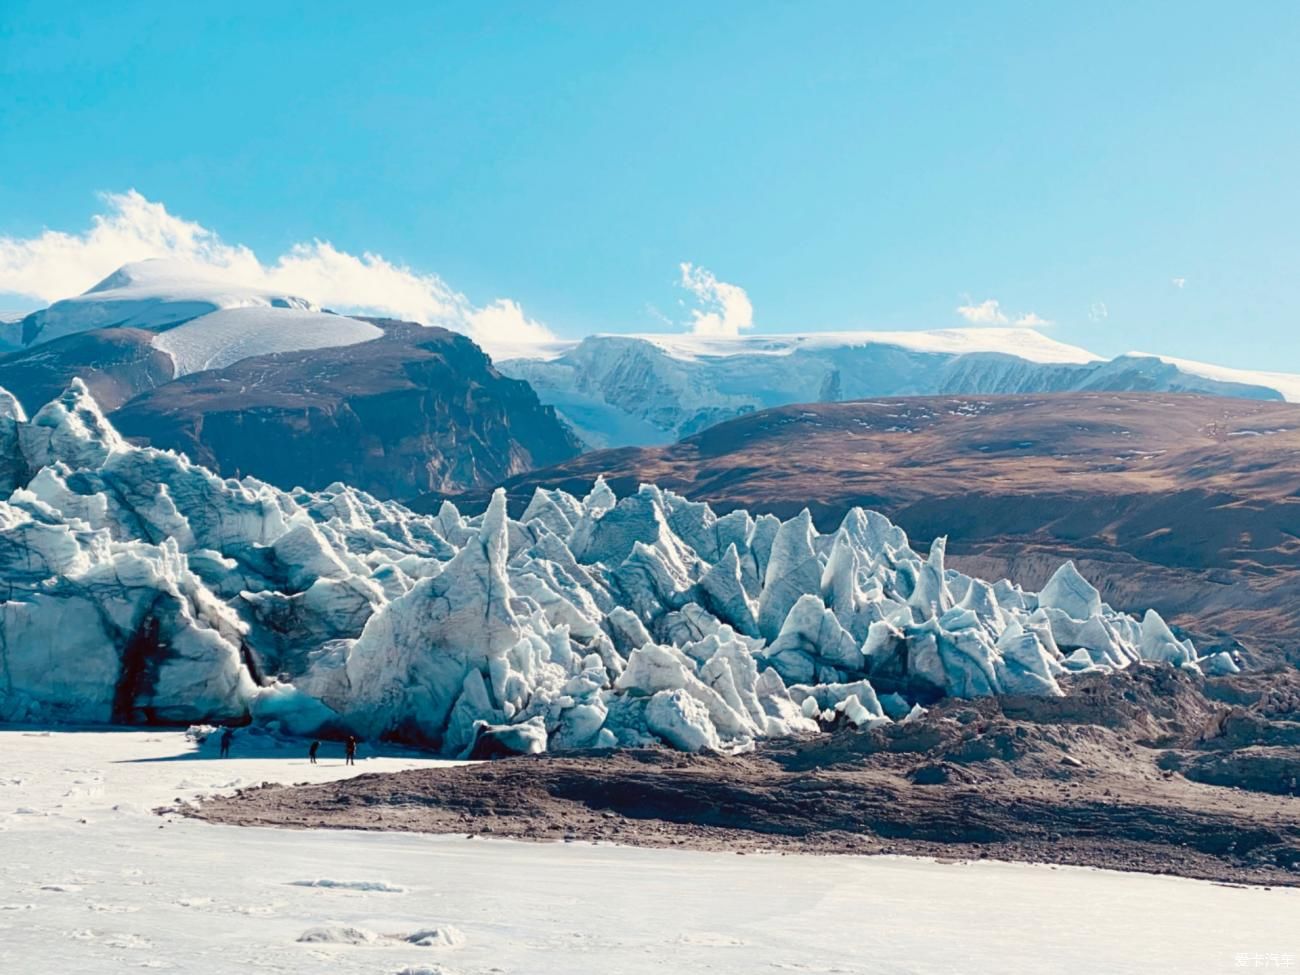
(1126, 171)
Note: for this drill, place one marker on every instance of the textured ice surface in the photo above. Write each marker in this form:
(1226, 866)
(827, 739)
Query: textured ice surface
(191, 897)
(141, 587)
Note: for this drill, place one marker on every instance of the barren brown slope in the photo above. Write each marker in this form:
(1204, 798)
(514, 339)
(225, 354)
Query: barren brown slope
(418, 409)
(1187, 503)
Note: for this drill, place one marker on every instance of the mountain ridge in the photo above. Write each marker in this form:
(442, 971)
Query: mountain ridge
(420, 405)
(629, 390)
(251, 381)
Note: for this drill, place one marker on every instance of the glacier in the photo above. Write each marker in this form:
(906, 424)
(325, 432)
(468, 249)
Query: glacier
(139, 587)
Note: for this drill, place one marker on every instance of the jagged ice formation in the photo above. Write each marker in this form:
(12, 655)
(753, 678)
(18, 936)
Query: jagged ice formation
(140, 587)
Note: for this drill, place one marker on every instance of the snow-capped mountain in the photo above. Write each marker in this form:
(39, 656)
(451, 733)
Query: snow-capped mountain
(140, 587)
(1285, 383)
(250, 381)
(154, 323)
(199, 321)
(642, 390)
(153, 294)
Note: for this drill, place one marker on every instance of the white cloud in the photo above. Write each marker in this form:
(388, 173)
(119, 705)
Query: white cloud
(1098, 312)
(337, 279)
(55, 264)
(1178, 283)
(990, 312)
(503, 326)
(653, 312)
(726, 309)
(987, 312)
(1032, 320)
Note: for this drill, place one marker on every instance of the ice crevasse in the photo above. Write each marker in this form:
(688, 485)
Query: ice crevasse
(136, 586)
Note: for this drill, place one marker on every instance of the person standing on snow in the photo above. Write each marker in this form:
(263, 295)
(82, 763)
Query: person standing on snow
(351, 753)
(311, 752)
(226, 737)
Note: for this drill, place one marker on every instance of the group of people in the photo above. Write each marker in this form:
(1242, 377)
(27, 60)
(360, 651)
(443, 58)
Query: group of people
(349, 747)
(349, 751)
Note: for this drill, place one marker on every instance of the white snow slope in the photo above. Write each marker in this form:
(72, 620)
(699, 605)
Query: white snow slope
(619, 390)
(1288, 384)
(223, 338)
(141, 586)
(92, 882)
(1025, 343)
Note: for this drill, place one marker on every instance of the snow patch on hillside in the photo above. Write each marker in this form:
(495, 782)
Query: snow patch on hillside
(223, 338)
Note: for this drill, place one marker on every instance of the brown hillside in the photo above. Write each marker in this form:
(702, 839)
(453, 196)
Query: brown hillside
(1187, 503)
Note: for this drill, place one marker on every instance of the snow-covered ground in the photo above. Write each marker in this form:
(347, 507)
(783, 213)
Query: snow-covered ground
(92, 881)
(225, 337)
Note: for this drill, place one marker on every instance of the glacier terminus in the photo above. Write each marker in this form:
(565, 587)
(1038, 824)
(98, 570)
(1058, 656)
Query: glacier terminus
(140, 587)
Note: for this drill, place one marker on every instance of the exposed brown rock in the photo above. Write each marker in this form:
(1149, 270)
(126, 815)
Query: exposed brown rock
(419, 409)
(1088, 779)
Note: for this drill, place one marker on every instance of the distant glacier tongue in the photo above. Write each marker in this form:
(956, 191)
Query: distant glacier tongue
(140, 587)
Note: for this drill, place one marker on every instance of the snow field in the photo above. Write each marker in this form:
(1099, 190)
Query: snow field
(98, 883)
(1286, 383)
(223, 338)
